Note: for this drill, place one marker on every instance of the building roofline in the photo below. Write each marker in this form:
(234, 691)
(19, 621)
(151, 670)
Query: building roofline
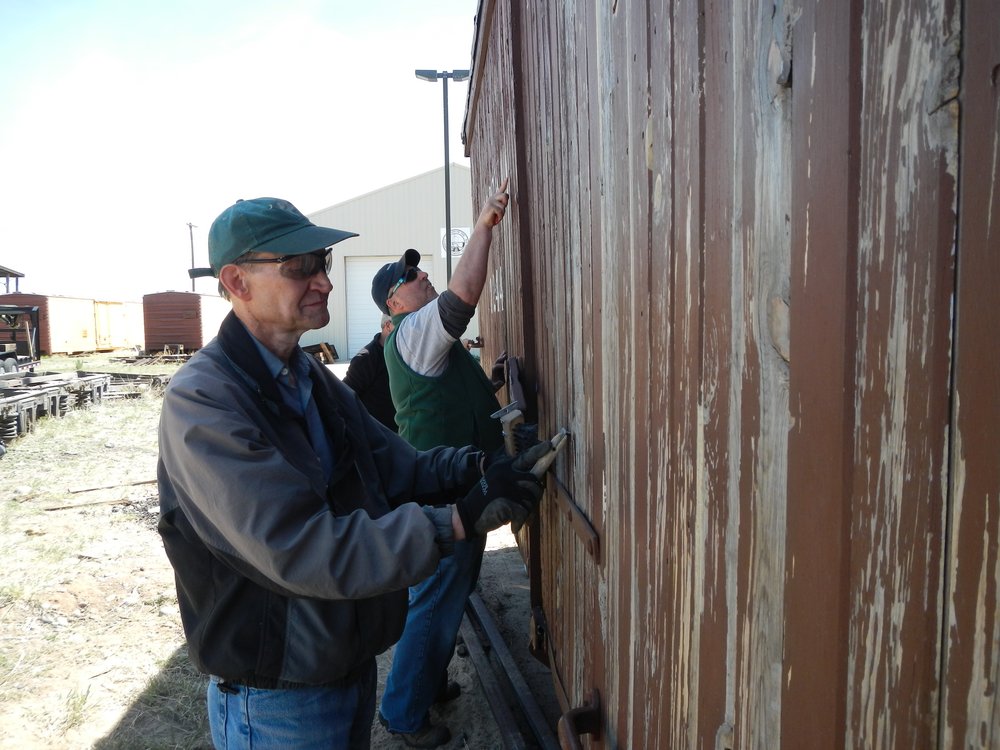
(390, 186)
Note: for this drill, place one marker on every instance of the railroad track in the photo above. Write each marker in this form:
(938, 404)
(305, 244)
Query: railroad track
(28, 396)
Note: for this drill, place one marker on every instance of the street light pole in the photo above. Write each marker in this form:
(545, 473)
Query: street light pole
(444, 75)
(191, 233)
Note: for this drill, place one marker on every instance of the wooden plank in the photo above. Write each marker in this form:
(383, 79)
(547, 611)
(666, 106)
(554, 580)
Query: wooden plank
(692, 635)
(660, 155)
(819, 456)
(904, 279)
(970, 704)
(509, 734)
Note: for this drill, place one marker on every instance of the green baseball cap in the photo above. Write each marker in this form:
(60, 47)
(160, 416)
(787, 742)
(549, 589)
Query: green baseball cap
(267, 225)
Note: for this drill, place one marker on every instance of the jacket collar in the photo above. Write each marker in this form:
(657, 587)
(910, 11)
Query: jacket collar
(239, 348)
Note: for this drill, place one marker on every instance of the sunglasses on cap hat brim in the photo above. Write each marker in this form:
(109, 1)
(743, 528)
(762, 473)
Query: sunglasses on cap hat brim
(410, 275)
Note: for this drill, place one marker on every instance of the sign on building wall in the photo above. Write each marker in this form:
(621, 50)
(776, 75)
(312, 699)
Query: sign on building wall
(459, 239)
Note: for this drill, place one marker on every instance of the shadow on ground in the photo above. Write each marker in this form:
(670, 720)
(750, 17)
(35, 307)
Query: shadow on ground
(170, 713)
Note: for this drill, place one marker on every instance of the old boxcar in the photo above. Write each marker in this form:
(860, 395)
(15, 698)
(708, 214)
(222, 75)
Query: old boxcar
(751, 263)
(67, 325)
(182, 321)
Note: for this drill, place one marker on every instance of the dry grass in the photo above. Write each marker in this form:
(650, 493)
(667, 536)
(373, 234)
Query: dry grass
(90, 641)
(92, 651)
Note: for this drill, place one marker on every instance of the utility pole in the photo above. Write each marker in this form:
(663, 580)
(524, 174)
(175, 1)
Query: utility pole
(191, 228)
(443, 76)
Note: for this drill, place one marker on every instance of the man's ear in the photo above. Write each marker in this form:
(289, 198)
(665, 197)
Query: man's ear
(233, 278)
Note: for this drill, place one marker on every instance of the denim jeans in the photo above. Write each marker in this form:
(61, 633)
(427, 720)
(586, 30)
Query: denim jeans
(420, 661)
(300, 718)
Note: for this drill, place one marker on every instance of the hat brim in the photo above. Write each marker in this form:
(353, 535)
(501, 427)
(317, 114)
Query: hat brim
(304, 240)
(410, 258)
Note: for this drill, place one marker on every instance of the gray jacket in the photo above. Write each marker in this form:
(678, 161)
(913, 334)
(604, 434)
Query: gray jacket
(283, 578)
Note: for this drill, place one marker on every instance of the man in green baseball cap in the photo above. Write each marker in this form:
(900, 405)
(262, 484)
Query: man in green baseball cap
(293, 519)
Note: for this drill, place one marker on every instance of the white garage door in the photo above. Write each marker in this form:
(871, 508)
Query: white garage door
(363, 317)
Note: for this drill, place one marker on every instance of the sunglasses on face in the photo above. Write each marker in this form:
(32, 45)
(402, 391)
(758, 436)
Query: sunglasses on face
(410, 275)
(299, 267)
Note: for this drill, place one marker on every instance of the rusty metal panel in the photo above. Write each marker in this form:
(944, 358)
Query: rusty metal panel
(42, 303)
(734, 285)
(184, 319)
(172, 319)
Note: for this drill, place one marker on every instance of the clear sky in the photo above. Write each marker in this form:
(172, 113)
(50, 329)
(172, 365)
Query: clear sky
(122, 121)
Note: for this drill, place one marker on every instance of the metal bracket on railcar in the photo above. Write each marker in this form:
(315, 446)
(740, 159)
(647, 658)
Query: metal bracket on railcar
(538, 645)
(585, 719)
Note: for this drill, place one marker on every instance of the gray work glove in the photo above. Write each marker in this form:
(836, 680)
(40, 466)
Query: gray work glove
(507, 493)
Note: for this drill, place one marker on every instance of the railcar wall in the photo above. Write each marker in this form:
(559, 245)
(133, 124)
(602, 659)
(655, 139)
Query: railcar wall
(750, 262)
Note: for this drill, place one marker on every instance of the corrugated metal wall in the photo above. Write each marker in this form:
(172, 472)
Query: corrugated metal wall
(752, 264)
(43, 339)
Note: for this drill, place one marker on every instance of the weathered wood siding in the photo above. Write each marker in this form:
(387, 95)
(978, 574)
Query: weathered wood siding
(970, 705)
(751, 262)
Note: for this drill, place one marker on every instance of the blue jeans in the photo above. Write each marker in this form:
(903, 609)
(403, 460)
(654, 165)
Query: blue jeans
(300, 718)
(420, 661)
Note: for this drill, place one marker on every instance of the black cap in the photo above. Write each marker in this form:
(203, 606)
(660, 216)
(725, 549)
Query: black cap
(389, 274)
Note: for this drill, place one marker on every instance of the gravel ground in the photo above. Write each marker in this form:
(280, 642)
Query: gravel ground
(91, 648)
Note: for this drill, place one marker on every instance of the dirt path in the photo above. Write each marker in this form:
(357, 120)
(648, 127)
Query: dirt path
(91, 646)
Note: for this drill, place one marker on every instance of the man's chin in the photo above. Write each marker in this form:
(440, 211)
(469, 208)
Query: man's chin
(318, 318)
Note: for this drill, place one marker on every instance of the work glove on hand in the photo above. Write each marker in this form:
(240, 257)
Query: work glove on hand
(507, 493)
(498, 375)
(525, 459)
(487, 458)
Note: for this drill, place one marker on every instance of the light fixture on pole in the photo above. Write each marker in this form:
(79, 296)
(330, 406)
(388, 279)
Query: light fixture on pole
(443, 76)
(191, 228)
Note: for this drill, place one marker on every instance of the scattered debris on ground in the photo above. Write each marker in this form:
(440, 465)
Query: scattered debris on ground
(92, 651)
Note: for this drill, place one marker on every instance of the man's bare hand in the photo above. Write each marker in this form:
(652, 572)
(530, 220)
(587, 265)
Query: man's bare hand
(496, 207)
(470, 274)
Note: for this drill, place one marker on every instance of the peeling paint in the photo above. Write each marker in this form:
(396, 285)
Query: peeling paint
(666, 172)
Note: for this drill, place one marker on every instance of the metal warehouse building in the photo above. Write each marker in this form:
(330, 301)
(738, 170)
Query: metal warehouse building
(389, 220)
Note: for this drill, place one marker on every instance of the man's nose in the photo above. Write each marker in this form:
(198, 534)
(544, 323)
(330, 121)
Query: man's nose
(321, 282)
